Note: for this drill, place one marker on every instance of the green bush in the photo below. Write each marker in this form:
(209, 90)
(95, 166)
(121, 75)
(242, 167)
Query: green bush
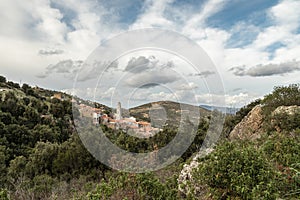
(283, 151)
(285, 122)
(3, 194)
(135, 186)
(237, 170)
(281, 96)
(2, 79)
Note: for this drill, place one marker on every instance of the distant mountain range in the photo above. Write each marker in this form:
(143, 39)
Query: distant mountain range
(227, 110)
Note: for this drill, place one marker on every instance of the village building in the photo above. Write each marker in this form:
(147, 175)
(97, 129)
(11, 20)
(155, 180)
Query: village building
(117, 122)
(119, 111)
(57, 96)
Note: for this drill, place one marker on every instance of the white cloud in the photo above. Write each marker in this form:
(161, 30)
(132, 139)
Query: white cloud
(151, 78)
(153, 15)
(234, 100)
(29, 30)
(238, 99)
(48, 22)
(285, 17)
(162, 96)
(286, 14)
(187, 86)
(198, 20)
(49, 52)
(67, 67)
(268, 69)
(72, 29)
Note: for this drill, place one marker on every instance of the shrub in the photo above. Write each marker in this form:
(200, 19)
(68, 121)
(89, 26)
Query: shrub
(135, 186)
(2, 79)
(237, 170)
(3, 194)
(282, 96)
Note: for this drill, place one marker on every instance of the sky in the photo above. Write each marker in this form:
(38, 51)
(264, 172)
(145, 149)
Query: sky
(253, 45)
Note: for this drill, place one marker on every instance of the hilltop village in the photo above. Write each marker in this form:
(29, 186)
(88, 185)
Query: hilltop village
(116, 120)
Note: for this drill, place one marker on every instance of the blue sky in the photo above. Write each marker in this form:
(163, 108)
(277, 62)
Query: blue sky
(254, 45)
(242, 10)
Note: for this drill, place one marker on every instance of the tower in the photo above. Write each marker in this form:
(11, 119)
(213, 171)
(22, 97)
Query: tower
(119, 112)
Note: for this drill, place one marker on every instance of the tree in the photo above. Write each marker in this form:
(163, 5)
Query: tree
(12, 84)
(57, 110)
(2, 79)
(25, 87)
(2, 166)
(43, 133)
(73, 158)
(282, 96)
(32, 116)
(6, 118)
(41, 160)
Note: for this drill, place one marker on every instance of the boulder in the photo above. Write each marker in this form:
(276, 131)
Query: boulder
(250, 125)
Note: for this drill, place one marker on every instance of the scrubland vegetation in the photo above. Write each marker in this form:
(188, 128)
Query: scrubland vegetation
(42, 156)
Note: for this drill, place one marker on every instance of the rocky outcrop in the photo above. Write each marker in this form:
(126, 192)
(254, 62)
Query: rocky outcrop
(185, 179)
(290, 110)
(250, 126)
(282, 112)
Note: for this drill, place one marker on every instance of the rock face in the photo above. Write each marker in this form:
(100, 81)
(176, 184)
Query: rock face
(290, 110)
(287, 111)
(249, 127)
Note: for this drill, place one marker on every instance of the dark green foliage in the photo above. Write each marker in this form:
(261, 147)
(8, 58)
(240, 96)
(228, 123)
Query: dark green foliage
(6, 118)
(73, 158)
(23, 136)
(2, 166)
(44, 133)
(284, 122)
(2, 79)
(42, 157)
(281, 121)
(25, 87)
(3, 194)
(13, 85)
(43, 186)
(238, 170)
(135, 186)
(26, 101)
(57, 109)
(281, 96)
(283, 150)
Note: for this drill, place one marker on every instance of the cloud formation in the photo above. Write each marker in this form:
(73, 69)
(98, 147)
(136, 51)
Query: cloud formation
(267, 70)
(187, 86)
(137, 65)
(50, 52)
(204, 74)
(248, 41)
(151, 79)
(66, 67)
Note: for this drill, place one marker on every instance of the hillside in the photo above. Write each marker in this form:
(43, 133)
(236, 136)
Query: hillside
(166, 112)
(42, 156)
(227, 110)
(259, 158)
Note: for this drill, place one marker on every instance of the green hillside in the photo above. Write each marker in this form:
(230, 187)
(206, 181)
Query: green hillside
(42, 156)
(166, 111)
